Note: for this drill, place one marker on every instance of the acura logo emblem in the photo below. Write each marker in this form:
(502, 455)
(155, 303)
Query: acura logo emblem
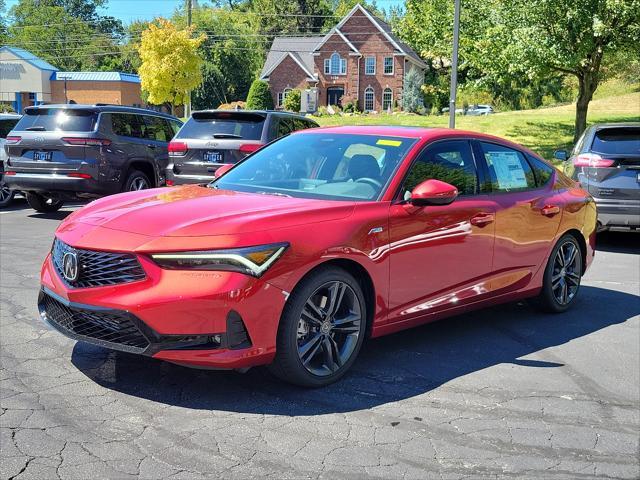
(70, 266)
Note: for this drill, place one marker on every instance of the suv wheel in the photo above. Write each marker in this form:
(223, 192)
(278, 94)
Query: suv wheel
(321, 330)
(6, 195)
(43, 204)
(136, 181)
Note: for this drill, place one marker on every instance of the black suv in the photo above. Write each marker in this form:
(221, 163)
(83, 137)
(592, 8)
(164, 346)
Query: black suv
(66, 152)
(212, 138)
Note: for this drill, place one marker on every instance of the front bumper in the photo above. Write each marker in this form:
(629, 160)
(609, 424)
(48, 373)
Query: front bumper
(220, 320)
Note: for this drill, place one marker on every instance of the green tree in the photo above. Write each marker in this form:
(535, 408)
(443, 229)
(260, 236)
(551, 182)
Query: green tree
(259, 97)
(292, 101)
(171, 66)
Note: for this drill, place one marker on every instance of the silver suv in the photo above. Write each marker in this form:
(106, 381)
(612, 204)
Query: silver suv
(212, 138)
(67, 152)
(606, 162)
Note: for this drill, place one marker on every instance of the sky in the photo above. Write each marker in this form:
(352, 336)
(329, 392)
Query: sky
(130, 10)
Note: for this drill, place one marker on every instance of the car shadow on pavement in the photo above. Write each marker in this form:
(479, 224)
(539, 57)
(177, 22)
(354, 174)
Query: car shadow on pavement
(618, 242)
(389, 369)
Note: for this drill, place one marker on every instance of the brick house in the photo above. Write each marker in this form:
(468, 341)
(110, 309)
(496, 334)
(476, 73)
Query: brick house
(358, 59)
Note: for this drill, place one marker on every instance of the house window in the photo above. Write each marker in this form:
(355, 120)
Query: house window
(370, 66)
(368, 99)
(388, 65)
(387, 99)
(282, 95)
(335, 65)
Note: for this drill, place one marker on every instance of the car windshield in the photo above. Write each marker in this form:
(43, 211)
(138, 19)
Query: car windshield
(57, 119)
(207, 125)
(320, 165)
(617, 141)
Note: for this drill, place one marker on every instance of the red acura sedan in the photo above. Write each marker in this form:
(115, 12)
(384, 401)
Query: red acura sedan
(317, 241)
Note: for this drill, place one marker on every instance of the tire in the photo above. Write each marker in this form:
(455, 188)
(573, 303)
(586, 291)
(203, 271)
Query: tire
(43, 204)
(561, 283)
(6, 195)
(327, 338)
(136, 180)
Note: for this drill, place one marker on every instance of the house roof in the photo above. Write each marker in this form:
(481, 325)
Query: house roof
(298, 48)
(96, 76)
(28, 57)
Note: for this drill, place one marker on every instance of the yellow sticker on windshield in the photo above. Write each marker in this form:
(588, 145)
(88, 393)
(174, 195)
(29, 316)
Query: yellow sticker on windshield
(389, 143)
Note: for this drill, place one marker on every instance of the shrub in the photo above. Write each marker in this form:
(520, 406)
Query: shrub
(351, 107)
(412, 97)
(292, 101)
(259, 97)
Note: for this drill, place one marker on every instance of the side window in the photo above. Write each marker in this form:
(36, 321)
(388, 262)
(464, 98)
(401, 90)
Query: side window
(541, 171)
(450, 162)
(156, 128)
(284, 127)
(128, 125)
(508, 168)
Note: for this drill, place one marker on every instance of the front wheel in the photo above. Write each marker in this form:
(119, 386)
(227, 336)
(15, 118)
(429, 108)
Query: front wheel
(561, 277)
(321, 330)
(43, 204)
(6, 195)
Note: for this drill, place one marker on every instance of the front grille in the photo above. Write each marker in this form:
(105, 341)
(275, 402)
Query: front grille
(111, 328)
(97, 269)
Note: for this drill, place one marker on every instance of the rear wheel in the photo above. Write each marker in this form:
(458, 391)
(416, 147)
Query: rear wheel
(321, 330)
(561, 277)
(6, 195)
(43, 204)
(136, 181)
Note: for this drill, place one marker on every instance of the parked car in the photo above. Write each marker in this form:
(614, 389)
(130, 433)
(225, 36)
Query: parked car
(67, 152)
(295, 255)
(606, 162)
(476, 110)
(7, 122)
(212, 138)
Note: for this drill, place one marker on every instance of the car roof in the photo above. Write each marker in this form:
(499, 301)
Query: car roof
(104, 108)
(599, 126)
(263, 112)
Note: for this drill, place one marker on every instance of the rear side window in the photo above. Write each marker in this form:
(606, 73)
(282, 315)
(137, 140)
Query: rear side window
(128, 125)
(508, 168)
(541, 171)
(285, 127)
(617, 141)
(207, 125)
(57, 120)
(158, 129)
(6, 125)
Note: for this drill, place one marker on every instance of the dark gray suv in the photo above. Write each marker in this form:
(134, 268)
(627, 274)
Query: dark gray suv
(212, 138)
(66, 152)
(606, 162)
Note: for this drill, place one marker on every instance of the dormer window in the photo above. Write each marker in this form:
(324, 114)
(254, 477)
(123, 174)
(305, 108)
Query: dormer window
(335, 65)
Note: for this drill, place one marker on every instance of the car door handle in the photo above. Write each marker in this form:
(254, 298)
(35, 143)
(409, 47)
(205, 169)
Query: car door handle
(482, 219)
(151, 145)
(550, 210)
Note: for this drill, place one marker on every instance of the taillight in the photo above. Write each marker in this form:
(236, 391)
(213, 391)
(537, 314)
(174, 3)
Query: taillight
(12, 140)
(79, 175)
(177, 148)
(89, 142)
(592, 160)
(170, 183)
(10, 173)
(250, 147)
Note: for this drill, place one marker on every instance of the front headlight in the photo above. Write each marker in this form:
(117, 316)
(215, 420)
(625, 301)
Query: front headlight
(249, 260)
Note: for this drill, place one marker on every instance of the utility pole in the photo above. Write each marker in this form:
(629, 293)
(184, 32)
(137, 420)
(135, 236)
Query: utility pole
(187, 104)
(454, 65)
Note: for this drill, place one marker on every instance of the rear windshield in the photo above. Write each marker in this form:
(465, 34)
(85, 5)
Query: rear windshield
(625, 141)
(57, 119)
(206, 125)
(6, 125)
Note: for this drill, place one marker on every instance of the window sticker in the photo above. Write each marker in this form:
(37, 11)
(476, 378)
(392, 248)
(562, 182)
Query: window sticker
(509, 171)
(389, 143)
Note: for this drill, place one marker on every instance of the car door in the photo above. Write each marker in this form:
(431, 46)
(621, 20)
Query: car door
(528, 213)
(441, 256)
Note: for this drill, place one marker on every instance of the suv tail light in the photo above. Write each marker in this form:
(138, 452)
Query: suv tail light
(12, 140)
(592, 160)
(89, 142)
(250, 147)
(177, 148)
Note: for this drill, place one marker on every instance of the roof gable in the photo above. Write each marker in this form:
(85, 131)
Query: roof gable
(28, 57)
(297, 48)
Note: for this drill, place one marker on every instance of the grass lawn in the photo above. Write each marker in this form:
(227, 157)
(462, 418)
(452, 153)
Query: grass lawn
(542, 130)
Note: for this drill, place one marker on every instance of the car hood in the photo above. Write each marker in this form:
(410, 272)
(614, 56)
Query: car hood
(194, 211)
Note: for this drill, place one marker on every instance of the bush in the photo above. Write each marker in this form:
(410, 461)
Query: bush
(351, 107)
(412, 97)
(259, 97)
(292, 101)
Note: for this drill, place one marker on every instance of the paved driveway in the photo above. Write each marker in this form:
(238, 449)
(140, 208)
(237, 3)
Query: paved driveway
(501, 393)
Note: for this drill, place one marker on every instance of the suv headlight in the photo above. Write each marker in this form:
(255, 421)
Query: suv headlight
(249, 260)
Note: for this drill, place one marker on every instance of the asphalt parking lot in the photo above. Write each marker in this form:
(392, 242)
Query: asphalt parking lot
(501, 393)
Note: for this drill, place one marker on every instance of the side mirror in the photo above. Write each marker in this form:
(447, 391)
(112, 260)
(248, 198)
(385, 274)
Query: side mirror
(433, 192)
(561, 155)
(222, 170)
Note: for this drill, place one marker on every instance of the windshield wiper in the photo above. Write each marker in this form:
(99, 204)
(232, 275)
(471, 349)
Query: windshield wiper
(277, 194)
(36, 129)
(226, 135)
